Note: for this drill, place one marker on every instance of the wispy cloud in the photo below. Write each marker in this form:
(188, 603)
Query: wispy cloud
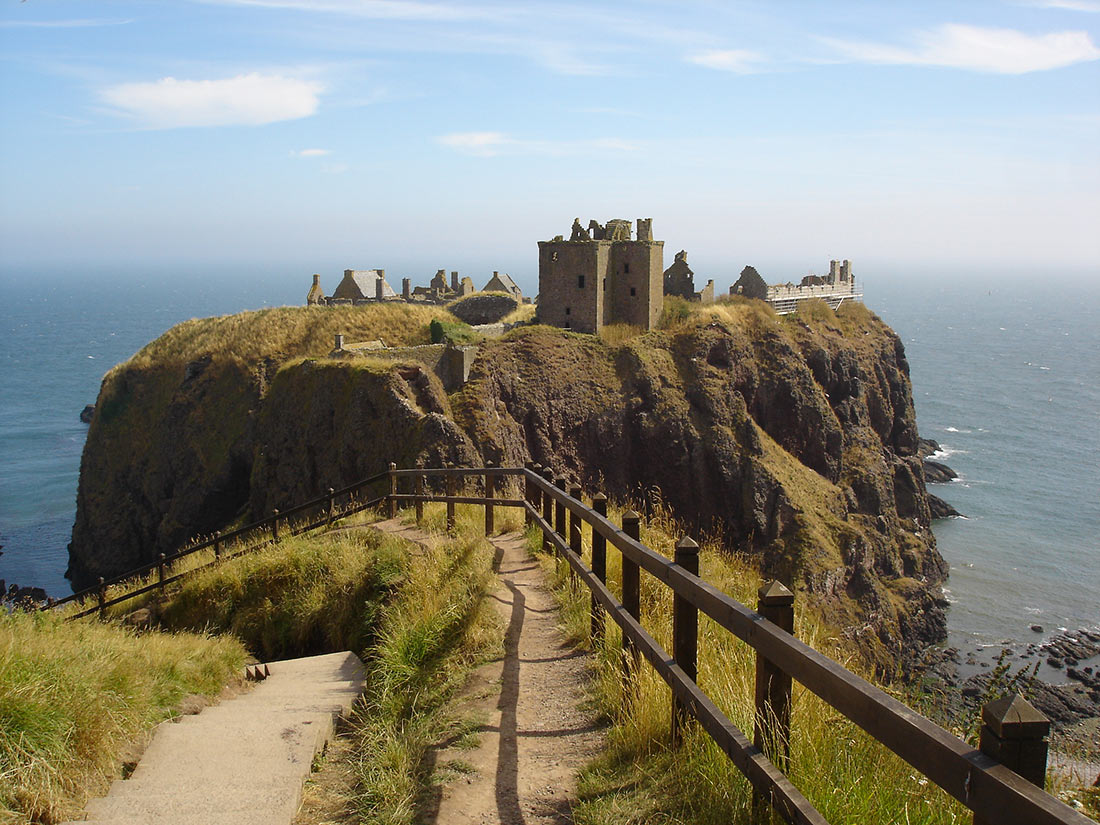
(245, 100)
(740, 61)
(60, 24)
(1004, 51)
(312, 153)
(1068, 5)
(374, 9)
(490, 144)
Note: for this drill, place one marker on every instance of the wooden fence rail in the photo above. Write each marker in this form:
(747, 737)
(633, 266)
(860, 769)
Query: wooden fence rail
(1000, 781)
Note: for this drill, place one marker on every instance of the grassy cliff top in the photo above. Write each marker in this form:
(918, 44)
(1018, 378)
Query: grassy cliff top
(283, 333)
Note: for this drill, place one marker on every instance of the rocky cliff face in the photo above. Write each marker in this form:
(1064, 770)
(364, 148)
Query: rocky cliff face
(795, 437)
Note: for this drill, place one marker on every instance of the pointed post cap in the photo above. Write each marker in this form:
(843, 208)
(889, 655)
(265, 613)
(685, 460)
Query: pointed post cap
(575, 490)
(687, 546)
(775, 594)
(630, 515)
(1013, 717)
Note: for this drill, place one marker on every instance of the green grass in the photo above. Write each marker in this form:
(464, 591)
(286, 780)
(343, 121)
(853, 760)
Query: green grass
(75, 696)
(431, 635)
(639, 778)
(307, 595)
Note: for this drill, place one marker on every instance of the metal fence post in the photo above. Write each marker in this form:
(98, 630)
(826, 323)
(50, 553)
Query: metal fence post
(160, 573)
(418, 488)
(685, 633)
(450, 490)
(490, 492)
(391, 501)
(631, 590)
(275, 526)
(1014, 733)
(102, 596)
(217, 545)
(331, 506)
(599, 567)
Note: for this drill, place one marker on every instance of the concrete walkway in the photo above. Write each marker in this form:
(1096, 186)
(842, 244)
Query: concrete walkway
(241, 762)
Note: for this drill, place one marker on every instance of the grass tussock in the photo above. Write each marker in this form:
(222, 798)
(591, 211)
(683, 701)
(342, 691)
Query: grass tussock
(306, 595)
(638, 778)
(523, 314)
(75, 696)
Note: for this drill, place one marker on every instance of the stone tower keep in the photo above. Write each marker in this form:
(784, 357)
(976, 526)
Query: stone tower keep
(600, 276)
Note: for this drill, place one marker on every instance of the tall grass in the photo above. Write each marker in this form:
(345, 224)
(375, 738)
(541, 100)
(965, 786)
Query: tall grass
(433, 632)
(306, 595)
(639, 778)
(75, 696)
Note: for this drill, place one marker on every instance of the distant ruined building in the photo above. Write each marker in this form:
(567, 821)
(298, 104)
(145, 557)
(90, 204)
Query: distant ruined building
(601, 276)
(680, 280)
(364, 286)
(834, 289)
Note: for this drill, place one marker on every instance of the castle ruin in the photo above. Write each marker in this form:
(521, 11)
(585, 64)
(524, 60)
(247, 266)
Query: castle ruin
(834, 289)
(601, 276)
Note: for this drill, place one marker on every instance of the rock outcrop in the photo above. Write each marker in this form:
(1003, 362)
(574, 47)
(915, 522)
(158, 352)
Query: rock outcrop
(793, 438)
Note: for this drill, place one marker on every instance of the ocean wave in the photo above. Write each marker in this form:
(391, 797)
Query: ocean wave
(947, 452)
(956, 430)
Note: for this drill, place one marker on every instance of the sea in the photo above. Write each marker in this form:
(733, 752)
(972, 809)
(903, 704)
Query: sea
(1005, 372)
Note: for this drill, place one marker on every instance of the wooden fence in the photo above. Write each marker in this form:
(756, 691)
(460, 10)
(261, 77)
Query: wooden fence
(1001, 781)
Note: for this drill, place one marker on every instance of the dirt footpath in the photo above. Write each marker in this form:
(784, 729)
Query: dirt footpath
(529, 734)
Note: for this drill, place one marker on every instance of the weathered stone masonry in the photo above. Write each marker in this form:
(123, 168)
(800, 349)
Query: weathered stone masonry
(600, 276)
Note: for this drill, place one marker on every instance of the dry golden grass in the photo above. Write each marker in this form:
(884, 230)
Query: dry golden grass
(75, 696)
(289, 332)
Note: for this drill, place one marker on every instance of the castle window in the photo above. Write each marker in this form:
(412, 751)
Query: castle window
(567, 310)
(605, 284)
(633, 291)
(580, 282)
(568, 325)
(626, 269)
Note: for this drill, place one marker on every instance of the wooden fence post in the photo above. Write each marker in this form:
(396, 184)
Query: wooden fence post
(160, 573)
(449, 488)
(772, 728)
(102, 596)
(1014, 733)
(331, 506)
(275, 525)
(217, 545)
(547, 509)
(575, 543)
(599, 567)
(418, 488)
(631, 590)
(391, 501)
(490, 492)
(529, 493)
(559, 510)
(685, 633)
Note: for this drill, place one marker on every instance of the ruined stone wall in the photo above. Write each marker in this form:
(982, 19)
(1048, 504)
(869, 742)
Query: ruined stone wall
(565, 300)
(636, 283)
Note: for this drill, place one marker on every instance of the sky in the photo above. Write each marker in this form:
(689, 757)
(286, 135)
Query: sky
(299, 136)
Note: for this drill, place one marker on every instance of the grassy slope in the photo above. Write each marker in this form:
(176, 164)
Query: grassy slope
(74, 697)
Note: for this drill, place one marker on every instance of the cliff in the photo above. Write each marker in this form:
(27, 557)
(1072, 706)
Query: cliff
(794, 437)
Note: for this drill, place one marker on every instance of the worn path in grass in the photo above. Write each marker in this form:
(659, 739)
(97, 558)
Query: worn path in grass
(526, 737)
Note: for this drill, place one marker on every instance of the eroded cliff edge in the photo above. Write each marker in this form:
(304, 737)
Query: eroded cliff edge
(795, 437)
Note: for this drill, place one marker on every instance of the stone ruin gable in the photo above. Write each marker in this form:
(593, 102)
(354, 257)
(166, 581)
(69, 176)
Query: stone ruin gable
(680, 280)
(750, 285)
(315, 296)
(503, 283)
(600, 276)
(363, 284)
